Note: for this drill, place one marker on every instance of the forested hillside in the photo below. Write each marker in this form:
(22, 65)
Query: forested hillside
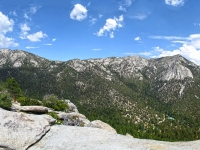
(147, 98)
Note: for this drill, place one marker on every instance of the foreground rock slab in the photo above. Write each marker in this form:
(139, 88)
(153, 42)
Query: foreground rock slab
(85, 138)
(19, 130)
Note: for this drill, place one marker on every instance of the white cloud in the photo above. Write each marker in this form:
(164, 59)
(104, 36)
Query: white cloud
(193, 39)
(34, 9)
(112, 35)
(128, 3)
(188, 51)
(36, 37)
(110, 26)
(79, 13)
(6, 25)
(190, 48)
(137, 38)
(13, 13)
(175, 2)
(93, 21)
(140, 16)
(31, 47)
(31, 11)
(48, 44)
(53, 40)
(121, 8)
(6, 42)
(100, 15)
(146, 53)
(26, 16)
(123, 5)
(97, 49)
(196, 24)
(169, 37)
(24, 31)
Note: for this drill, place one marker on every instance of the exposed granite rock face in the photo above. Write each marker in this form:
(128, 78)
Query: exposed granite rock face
(101, 125)
(165, 69)
(169, 68)
(19, 130)
(16, 58)
(67, 137)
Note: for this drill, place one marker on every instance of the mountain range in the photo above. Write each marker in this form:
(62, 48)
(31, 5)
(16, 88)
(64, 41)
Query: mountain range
(147, 98)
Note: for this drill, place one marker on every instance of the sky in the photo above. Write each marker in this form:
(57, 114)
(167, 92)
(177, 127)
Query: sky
(83, 29)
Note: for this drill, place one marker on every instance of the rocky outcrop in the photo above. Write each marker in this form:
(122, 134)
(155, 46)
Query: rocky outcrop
(72, 107)
(34, 109)
(75, 119)
(19, 130)
(101, 125)
(66, 137)
(29, 109)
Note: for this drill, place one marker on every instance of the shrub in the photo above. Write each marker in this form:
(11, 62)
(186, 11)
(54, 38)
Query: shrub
(57, 105)
(5, 102)
(52, 101)
(26, 101)
(55, 116)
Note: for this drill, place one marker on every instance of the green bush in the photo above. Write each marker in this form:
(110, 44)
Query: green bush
(57, 105)
(55, 116)
(52, 101)
(26, 101)
(5, 102)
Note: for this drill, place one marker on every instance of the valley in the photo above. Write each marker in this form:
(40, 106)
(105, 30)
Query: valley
(147, 98)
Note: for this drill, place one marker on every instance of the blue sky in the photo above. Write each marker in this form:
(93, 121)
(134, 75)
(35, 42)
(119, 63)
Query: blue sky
(83, 29)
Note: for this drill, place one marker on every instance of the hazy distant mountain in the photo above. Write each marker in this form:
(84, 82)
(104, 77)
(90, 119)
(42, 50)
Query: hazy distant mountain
(148, 98)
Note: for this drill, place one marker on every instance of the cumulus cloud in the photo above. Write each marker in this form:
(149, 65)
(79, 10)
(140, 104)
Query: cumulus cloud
(6, 42)
(79, 13)
(110, 26)
(190, 48)
(175, 2)
(6, 25)
(188, 51)
(36, 37)
(137, 38)
(24, 31)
